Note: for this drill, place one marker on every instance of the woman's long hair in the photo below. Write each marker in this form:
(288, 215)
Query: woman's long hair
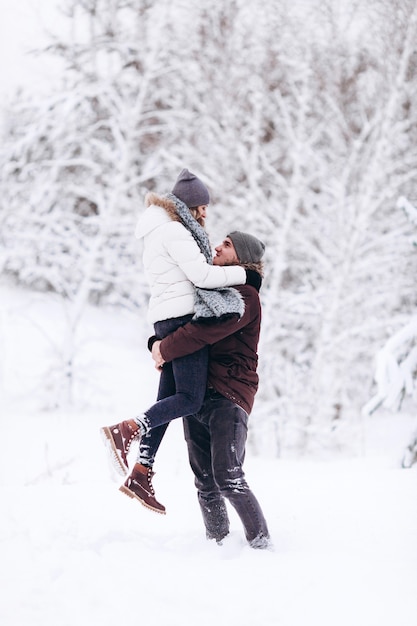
(194, 213)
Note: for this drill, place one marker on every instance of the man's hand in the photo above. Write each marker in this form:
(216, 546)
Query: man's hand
(156, 355)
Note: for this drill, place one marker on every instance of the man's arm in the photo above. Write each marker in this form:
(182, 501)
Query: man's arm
(193, 337)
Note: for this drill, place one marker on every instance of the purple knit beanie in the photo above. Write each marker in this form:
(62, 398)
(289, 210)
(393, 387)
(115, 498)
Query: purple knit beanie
(190, 190)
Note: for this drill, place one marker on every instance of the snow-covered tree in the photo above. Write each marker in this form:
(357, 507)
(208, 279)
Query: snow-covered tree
(78, 161)
(342, 250)
(396, 364)
(301, 119)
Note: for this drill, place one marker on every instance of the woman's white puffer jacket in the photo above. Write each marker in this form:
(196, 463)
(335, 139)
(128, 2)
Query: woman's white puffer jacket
(173, 262)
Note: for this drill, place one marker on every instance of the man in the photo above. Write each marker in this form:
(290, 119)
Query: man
(216, 434)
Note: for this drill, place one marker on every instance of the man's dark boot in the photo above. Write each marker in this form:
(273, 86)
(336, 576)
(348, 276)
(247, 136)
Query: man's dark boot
(139, 485)
(118, 439)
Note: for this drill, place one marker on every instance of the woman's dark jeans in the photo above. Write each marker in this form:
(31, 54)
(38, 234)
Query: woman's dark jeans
(216, 439)
(181, 391)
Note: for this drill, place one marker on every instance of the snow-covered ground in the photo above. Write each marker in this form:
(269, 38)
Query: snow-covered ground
(76, 552)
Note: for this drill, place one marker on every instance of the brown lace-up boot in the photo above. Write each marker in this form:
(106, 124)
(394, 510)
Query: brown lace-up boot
(139, 485)
(118, 439)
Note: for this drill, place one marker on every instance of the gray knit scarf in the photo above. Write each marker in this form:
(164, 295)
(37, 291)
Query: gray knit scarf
(209, 304)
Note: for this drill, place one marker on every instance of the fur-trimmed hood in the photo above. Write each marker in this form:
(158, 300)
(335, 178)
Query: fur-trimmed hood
(164, 202)
(159, 210)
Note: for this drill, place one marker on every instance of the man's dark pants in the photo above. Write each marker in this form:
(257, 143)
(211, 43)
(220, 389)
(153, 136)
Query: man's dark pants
(216, 439)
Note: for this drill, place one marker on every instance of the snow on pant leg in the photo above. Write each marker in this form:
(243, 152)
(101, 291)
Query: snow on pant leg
(149, 445)
(212, 504)
(150, 442)
(228, 432)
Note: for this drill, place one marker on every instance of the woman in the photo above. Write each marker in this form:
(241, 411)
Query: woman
(184, 285)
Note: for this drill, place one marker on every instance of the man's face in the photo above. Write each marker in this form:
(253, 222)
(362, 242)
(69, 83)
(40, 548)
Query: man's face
(225, 254)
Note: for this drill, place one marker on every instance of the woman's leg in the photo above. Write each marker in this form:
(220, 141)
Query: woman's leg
(150, 442)
(181, 392)
(138, 484)
(170, 386)
(190, 376)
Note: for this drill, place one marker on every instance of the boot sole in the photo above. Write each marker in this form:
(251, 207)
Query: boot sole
(112, 452)
(134, 496)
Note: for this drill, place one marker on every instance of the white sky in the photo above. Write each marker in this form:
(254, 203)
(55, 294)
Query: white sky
(22, 26)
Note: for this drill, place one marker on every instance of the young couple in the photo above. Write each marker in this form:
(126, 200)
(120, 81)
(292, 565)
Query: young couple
(206, 314)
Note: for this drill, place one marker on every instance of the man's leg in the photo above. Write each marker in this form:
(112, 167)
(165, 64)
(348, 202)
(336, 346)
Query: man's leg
(212, 505)
(228, 432)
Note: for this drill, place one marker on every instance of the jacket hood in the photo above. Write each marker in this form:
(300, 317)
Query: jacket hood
(159, 210)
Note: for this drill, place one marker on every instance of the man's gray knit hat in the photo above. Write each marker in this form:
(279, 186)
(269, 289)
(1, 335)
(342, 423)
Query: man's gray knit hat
(248, 248)
(190, 190)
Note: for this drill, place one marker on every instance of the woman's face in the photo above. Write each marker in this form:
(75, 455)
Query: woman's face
(201, 212)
